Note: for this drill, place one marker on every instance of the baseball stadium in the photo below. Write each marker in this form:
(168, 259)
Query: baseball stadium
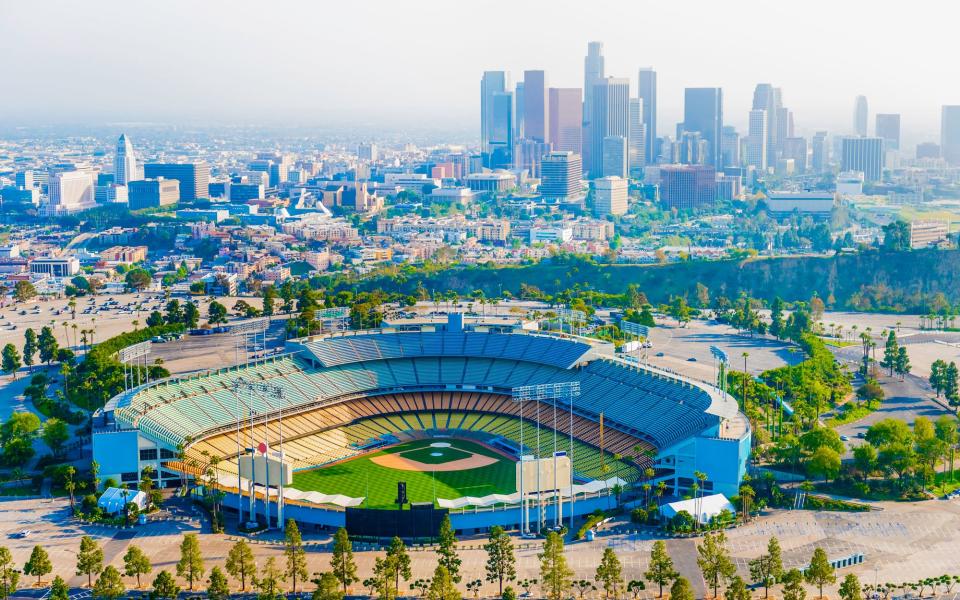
(489, 424)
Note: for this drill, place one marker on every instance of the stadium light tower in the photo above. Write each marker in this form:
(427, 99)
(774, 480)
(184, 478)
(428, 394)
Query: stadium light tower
(246, 331)
(264, 392)
(131, 357)
(565, 392)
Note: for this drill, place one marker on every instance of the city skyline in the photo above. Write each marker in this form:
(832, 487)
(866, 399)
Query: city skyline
(198, 71)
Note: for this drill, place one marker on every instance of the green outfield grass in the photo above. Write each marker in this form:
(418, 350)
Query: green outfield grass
(362, 477)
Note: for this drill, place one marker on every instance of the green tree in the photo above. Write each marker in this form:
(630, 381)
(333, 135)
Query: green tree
(776, 318)
(59, 590)
(191, 315)
(190, 564)
(660, 569)
(89, 558)
(901, 363)
(737, 590)
(268, 583)
(24, 290)
(11, 360)
(938, 375)
(447, 549)
(767, 568)
(136, 563)
(30, 346)
(138, 279)
(865, 459)
(442, 586)
(328, 587)
(681, 589)
(890, 350)
(19, 425)
(399, 562)
(48, 345)
(342, 565)
(850, 588)
(793, 585)
(9, 577)
(896, 236)
(216, 313)
(218, 588)
(610, 573)
(55, 434)
(554, 572)
(164, 587)
(820, 572)
(38, 564)
(825, 462)
(501, 563)
(295, 554)
(109, 585)
(240, 563)
(714, 560)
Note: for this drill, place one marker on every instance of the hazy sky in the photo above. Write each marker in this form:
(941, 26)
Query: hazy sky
(415, 63)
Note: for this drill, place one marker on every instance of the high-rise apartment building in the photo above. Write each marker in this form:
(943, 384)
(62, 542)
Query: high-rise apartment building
(950, 134)
(566, 119)
(368, 152)
(647, 92)
(610, 195)
(610, 118)
(638, 137)
(194, 178)
(860, 116)
(492, 82)
(888, 129)
(124, 162)
(865, 155)
(536, 109)
(757, 144)
(560, 174)
(703, 112)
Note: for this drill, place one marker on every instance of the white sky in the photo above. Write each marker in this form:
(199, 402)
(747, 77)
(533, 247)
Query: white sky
(417, 63)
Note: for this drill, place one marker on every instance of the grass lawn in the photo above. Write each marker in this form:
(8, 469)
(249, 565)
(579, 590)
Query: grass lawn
(944, 483)
(362, 477)
(848, 413)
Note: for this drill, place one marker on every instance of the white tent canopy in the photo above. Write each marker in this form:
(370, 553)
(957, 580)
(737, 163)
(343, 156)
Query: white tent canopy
(114, 499)
(707, 507)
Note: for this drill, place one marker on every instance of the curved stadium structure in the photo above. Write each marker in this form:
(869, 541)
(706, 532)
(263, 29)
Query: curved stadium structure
(340, 401)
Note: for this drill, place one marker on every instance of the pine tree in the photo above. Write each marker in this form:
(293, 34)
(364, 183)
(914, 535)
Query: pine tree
(38, 564)
(136, 563)
(660, 570)
(190, 564)
(447, 549)
(902, 362)
(269, 580)
(776, 318)
(240, 563)
(737, 590)
(59, 590)
(501, 563)
(890, 352)
(89, 559)
(820, 572)
(164, 586)
(767, 568)
(398, 562)
(610, 573)
(11, 360)
(714, 560)
(938, 374)
(9, 577)
(30, 346)
(681, 590)
(793, 585)
(554, 572)
(218, 588)
(109, 585)
(48, 345)
(328, 588)
(341, 561)
(951, 383)
(295, 554)
(442, 586)
(850, 588)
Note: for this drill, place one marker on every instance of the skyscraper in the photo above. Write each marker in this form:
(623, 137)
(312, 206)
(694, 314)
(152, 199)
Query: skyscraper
(610, 118)
(610, 196)
(566, 119)
(593, 73)
(820, 152)
(766, 98)
(647, 92)
(703, 112)
(888, 128)
(194, 178)
(536, 109)
(124, 163)
(502, 133)
(860, 116)
(638, 138)
(616, 157)
(950, 134)
(560, 175)
(865, 155)
(757, 140)
(730, 146)
(687, 187)
(492, 82)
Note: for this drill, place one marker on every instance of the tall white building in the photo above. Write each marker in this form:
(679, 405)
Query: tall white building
(70, 192)
(124, 163)
(860, 116)
(610, 196)
(638, 136)
(756, 150)
(610, 118)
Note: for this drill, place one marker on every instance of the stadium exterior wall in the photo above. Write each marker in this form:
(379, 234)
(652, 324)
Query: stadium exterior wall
(723, 460)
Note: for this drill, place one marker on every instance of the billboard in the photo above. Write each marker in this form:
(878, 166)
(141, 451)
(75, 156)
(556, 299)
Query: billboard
(548, 466)
(257, 468)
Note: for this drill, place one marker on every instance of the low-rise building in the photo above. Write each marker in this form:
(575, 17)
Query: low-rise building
(925, 234)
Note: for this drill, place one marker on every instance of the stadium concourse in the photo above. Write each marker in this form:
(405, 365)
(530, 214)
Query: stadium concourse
(352, 411)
